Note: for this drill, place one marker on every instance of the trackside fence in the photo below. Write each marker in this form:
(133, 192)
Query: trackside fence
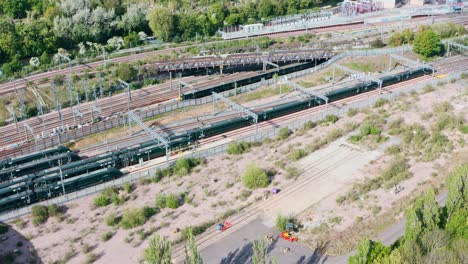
(260, 136)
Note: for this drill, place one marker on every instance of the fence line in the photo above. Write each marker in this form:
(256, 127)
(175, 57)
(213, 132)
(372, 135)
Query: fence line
(261, 135)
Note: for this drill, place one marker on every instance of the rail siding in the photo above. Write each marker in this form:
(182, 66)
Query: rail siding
(294, 124)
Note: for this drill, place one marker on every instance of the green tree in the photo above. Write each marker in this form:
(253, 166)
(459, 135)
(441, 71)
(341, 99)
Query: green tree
(192, 256)
(369, 251)
(15, 8)
(265, 8)
(259, 249)
(457, 226)
(159, 251)
(161, 22)
(10, 68)
(44, 59)
(126, 72)
(131, 40)
(427, 43)
(457, 185)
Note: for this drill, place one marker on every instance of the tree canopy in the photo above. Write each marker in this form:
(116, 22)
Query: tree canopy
(433, 234)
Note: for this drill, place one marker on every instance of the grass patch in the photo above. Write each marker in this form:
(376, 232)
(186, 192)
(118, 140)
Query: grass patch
(352, 112)
(381, 102)
(112, 219)
(184, 165)
(291, 172)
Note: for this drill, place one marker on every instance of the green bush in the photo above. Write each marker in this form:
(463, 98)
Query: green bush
(255, 177)
(308, 125)
(40, 214)
(112, 219)
(172, 201)
(107, 236)
(184, 165)
(161, 200)
(368, 128)
(297, 154)
(128, 187)
(331, 118)
(282, 220)
(134, 217)
(102, 201)
(54, 210)
(3, 228)
(238, 147)
(283, 133)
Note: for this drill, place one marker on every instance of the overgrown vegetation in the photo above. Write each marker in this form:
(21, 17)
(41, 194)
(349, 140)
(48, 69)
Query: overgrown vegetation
(255, 177)
(3, 228)
(134, 217)
(158, 251)
(433, 234)
(108, 196)
(240, 147)
(282, 220)
(284, 133)
(169, 201)
(395, 172)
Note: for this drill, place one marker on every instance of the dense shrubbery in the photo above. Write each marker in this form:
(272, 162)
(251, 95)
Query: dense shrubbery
(433, 234)
(3, 228)
(255, 177)
(297, 154)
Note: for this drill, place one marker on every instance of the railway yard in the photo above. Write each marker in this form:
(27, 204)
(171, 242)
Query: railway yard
(129, 144)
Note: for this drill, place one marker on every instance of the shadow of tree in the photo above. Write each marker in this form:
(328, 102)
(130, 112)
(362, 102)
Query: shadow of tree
(316, 257)
(15, 248)
(239, 255)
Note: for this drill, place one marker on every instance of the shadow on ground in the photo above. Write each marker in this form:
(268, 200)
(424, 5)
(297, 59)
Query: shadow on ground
(15, 248)
(244, 254)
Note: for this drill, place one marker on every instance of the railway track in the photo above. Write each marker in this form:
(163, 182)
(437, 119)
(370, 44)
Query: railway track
(455, 64)
(146, 97)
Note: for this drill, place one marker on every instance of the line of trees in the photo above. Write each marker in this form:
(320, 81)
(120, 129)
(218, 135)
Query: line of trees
(38, 28)
(433, 234)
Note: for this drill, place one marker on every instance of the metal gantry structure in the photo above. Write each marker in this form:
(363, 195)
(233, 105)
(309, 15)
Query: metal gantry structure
(235, 106)
(13, 116)
(454, 45)
(132, 117)
(298, 55)
(183, 84)
(307, 92)
(409, 62)
(360, 76)
(129, 93)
